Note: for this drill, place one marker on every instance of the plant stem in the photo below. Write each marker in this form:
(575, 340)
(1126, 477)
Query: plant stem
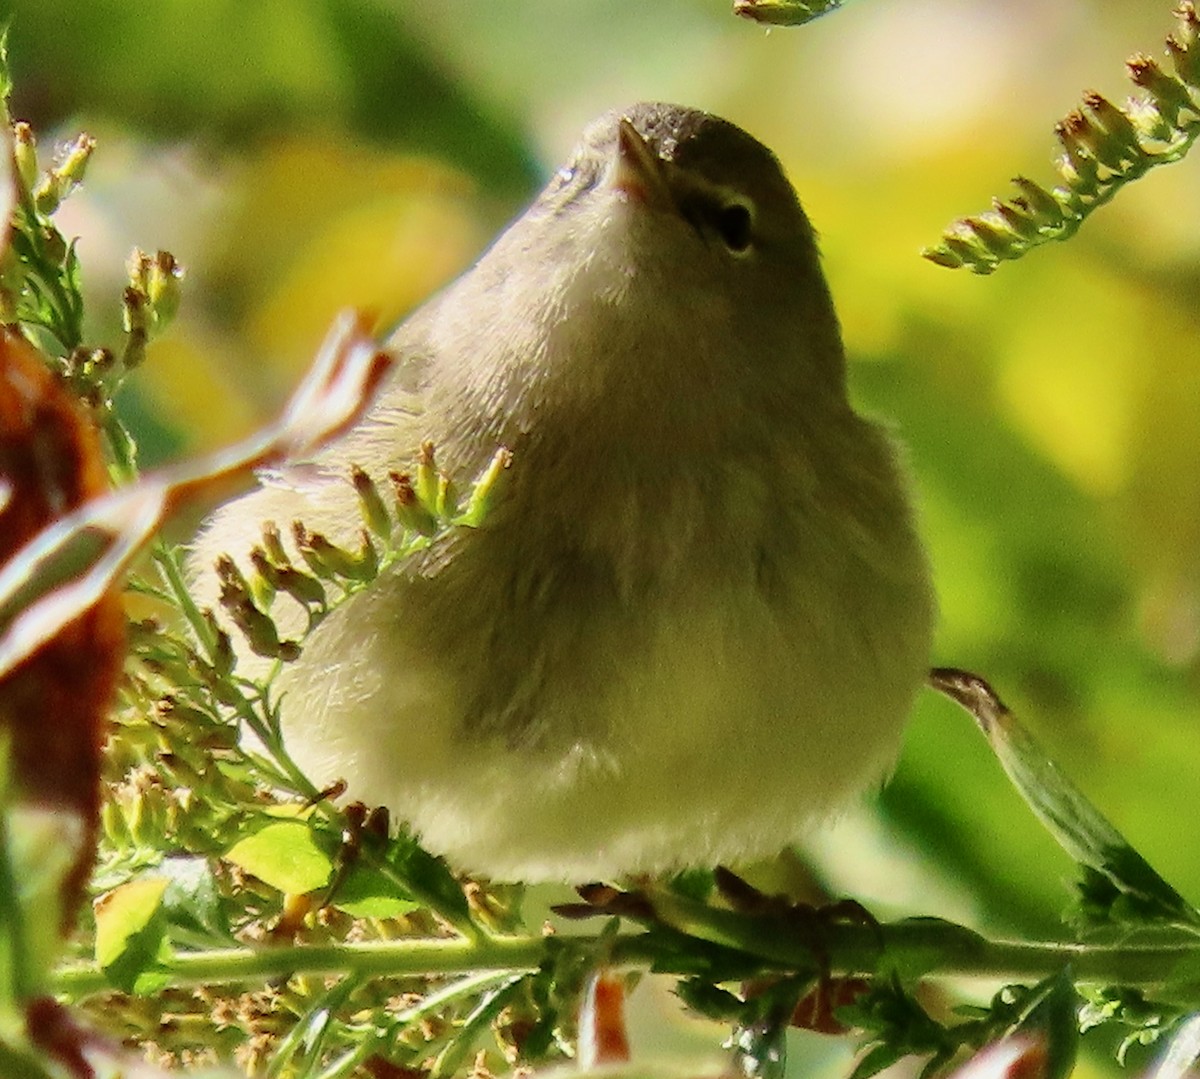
(933, 947)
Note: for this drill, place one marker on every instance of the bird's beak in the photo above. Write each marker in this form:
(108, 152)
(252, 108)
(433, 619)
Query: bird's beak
(639, 173)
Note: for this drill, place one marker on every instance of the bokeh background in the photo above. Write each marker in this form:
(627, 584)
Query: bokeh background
(301, 155)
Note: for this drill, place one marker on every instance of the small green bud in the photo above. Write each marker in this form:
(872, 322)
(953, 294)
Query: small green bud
(1168, 95)
(487, 488)
(146, 816)
(1181, 44)
(264, 582)
(135, 319)
(426, 483)
(304, 589)
(231, 578)
(25, 156)
(447, 497)
(163, 277)
(410, 513)
(972, 254)
(942, 256)
(218, 737)
(370, 502)
(259, 629)
(112, 824)
(273, 544)
(997, 241)
(1016, 218)
(236, 598)
(74, 163)
(224, 656)
(318, 550)
(1078, 167)
(308, 548)
(1047, 210)
(1115, 141)
(65, 176)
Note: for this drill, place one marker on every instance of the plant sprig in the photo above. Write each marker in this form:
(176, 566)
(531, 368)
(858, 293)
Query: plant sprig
(1103, 147)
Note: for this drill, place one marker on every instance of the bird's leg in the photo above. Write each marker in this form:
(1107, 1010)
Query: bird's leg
(816, 1010)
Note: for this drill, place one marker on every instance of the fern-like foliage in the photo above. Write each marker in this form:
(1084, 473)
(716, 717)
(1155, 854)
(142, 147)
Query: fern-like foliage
(1103, 148)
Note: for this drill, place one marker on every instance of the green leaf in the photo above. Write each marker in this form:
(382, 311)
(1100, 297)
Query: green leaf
(307, 1038)
(1077, 825)
(286, 855)
(428, 879)
(450, 1059)
(130, 930)
(367, 893)
(191, 901)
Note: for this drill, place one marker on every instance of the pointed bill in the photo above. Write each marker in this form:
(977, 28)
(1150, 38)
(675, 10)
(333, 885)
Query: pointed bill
(638, 172)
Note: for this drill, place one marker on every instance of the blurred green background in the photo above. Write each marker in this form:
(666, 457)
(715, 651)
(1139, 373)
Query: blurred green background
(301, 155)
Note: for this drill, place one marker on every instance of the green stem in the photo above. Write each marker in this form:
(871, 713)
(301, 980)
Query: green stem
(377, 959)
(172, 576)
(13, 952)
(920, 946)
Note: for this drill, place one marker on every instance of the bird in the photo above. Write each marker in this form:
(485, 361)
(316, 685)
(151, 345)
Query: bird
(693, 624)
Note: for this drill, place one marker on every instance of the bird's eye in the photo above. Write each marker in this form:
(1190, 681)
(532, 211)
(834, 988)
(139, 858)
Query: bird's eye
(735, 226)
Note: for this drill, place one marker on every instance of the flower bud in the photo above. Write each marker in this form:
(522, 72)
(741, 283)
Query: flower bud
(447, 496)
(370, 503)
(1182, 44)
(304, 589)
(327, 559)
(410, 513)
(1114, 142)
(426, 482)
(1168, 96)
(65, 176)
(942, 256)
(264, 582)
(487, 488)
(163, 275)
(25, 156)
(1077, 165)
(135, 319)
(997, 241)
(1046, 208)
(273, 544)
(1016, 218)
